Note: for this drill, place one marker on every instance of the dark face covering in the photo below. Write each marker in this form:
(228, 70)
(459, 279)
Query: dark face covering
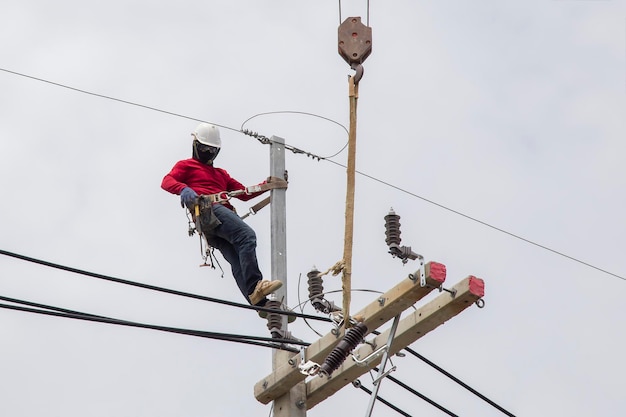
(204, 153)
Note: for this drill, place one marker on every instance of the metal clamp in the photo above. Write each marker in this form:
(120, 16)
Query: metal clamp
(422, 273)
(381, 376)
(371, 357)
(309, 368)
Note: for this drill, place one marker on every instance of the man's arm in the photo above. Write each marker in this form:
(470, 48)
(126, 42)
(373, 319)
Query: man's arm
(172, 182)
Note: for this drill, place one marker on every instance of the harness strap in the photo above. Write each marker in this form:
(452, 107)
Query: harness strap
(258, 206)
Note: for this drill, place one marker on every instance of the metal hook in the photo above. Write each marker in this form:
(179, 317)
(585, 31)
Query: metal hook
(359, 72)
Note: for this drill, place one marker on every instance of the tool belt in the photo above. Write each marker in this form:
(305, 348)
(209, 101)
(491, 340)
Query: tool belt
(207, 218)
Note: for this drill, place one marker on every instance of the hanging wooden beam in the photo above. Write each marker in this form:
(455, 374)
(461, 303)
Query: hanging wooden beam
(411, 328)
(375, 314)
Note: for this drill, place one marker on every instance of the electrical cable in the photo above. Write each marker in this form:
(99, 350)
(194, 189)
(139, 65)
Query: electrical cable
(458, 381)
(113, 98)
(252, 340)
(152, 287)
(387, 403)
(296, 150)
(306, 114)
(422, 396)
(483, 223)
(455, 379)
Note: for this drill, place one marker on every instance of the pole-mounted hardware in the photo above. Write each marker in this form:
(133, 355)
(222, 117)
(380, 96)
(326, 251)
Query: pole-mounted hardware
(353, 337)
(392, 233)
(355, 44)
(316, 293)
(337, 356)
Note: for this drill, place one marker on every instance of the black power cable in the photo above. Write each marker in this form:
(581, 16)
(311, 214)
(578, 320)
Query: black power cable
(387, 403)
(273, 343)
(455, 379)
(419, 394)
(154, 288)
(458, 381)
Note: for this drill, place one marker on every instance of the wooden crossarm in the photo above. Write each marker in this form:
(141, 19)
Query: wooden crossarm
(411, 328)
(377, 313)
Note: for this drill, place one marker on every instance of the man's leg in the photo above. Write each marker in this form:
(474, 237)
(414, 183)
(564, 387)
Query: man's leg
(243, 242)
(230, 254)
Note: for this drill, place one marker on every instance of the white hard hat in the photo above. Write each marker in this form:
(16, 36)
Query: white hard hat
(208, 134)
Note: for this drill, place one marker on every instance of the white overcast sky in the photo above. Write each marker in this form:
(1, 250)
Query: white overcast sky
(508, 112)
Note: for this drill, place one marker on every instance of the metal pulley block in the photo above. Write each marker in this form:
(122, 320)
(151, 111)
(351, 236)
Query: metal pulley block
(355, 40)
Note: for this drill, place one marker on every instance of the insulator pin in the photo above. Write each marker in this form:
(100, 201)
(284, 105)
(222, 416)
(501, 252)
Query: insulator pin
(316, 285)
(392, 233)
(392, 229)
(274, 320)
(316, 293)
(338, 355)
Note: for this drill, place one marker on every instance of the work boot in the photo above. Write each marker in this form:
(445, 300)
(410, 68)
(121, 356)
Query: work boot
(263, 288)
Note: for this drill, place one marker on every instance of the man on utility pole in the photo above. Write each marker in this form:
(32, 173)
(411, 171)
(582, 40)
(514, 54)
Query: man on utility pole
(206, 190)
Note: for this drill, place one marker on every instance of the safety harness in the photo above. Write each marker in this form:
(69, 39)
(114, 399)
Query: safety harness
(201, 218)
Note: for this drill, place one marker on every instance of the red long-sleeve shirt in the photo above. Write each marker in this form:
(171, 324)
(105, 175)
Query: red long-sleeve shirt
(203, 179)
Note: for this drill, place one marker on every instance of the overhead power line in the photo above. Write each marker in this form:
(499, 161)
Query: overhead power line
(111, 98)
(455, 379)
(387, 403)
(58, 312)
(474, 219)
(418, 394)
(297, 150)
(153, 287)
(458, 381)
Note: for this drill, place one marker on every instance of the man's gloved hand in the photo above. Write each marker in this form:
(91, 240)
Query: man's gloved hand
(187, 197)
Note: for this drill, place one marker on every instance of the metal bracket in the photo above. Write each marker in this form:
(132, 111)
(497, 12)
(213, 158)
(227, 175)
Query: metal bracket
(383, 363)
(380, 377)
(338, 322)
(422, 272)
(371, 357)
(309, 368)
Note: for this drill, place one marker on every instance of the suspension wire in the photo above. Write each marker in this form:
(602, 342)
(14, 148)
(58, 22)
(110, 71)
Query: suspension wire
(387, 403)
(241, 129)
(339, 11)
(155, 288)
(458, 381)
(265, 140)
(422, 396)
(252, 340)
(368, 12)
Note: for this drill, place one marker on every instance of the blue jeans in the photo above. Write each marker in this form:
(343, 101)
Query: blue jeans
(237, 243)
